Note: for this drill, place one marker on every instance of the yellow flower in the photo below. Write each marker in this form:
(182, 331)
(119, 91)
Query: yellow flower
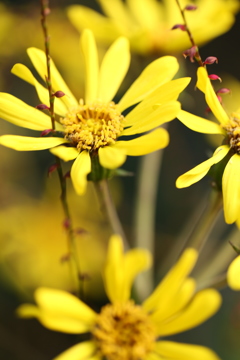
(233, 274)
(91, 127)
(124, 330)
(147, 23)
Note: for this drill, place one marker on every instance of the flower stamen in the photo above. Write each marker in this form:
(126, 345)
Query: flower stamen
(233, 132)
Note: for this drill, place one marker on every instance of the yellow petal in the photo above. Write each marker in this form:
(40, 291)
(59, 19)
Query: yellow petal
(173, 281)
(90, 55)
(145, 144)
(26, 143)
(80, 169)
(162, 114)
(121, 269)
(199, 124)
(117, 12)
(65, 153)
(113, 69)
(38, 58)
(154, 75)
(163, 94)
(81, 351)
(19, 113)
(204, 84)
(202, 169)
(146, 12)
(204, 305)
(233, 274)
(176, 351)
(231, 189)
(110, 157)
(24, 73)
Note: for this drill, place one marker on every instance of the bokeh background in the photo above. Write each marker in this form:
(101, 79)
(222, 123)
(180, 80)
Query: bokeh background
(32, 239)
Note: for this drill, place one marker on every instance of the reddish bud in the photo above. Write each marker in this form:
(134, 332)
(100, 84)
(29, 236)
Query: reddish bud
(223, 91)
(59, 94)
(179, 26)
(52, 169)
(65, 258)
(214, 77)
(42, 107)
(84, 276)
(46, 132)
(67, 223)
(47, 11)
(219, 99)
(191, 53)
(190, 7)
(210, 60)
(80, 231)
(67, 175)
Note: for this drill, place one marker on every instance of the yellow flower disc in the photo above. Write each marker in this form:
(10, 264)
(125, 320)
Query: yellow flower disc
(124, 331)
(233, 132)
(91, 126)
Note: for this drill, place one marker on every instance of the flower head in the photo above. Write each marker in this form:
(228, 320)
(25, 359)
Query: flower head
(229, 127)
(92, 126)
(124, 330)
(147, 24)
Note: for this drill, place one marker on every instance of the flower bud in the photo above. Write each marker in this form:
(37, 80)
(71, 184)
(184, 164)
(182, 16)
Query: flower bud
(190, 7)
(46, 132)
(42, 107)
(214, 77)
(179, 26)
(52, 168)
(223, 91)
(59, 94)
(210, 60)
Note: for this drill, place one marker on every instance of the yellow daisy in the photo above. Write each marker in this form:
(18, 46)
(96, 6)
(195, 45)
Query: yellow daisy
(229, 127)
(147, 23)
(124, 330)
(92, 127)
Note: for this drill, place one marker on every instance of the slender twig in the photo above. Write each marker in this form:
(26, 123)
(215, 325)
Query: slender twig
(62, 179)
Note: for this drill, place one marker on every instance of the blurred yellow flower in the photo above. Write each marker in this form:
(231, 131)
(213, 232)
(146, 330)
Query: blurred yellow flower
(147, 23)
(124, 330)
(91, 127)
(233, 274)
(229, 127)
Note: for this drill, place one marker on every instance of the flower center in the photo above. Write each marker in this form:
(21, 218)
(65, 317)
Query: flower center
(91, 126)
(233, 132)
(124, 332)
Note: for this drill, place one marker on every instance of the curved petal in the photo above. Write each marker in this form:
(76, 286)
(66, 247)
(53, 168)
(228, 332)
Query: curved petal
(233, 274)
(199, 124)
(81, 351)
(25, 74)
(172, 282)
(202, 169)
(145, 144)
(38, 58)
(80, 169)
(204, 84)
(154, 75)
(19, 113)
(26, 143)
(176, 351)
(90, 55)
(113, 69)
(231, 189)
(121, 269)
(65, 153)
(162, 114)
(110, 157)
(204, 305)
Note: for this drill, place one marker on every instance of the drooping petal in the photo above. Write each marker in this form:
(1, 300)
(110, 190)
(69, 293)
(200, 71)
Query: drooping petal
(110, 157)
(204, 84)
(38, 58)
(113, 69)
(201, 170)
(231, 189)
(166, 93)
(27, 143)
(24, 73)
(19, 113)
(145, 144)
(176, 351)
(81, 351)
(80, 169)
(65, 153)
(233, 274)
(154, 75)
(172, 282)
(204, 305)
(90, 55)
(199, 124)
(162, 114)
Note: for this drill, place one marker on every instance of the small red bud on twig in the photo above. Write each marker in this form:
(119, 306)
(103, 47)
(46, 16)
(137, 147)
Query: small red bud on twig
(210, 60)
(42, 107)
(67, 175)
(59, 94)
(67, 223)
(179, 26)
(52, 169)
(190, 7)
(46, 132)
(65, 258)
(219, 99)
(223, 91)
(214, 77)
(191, 53)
